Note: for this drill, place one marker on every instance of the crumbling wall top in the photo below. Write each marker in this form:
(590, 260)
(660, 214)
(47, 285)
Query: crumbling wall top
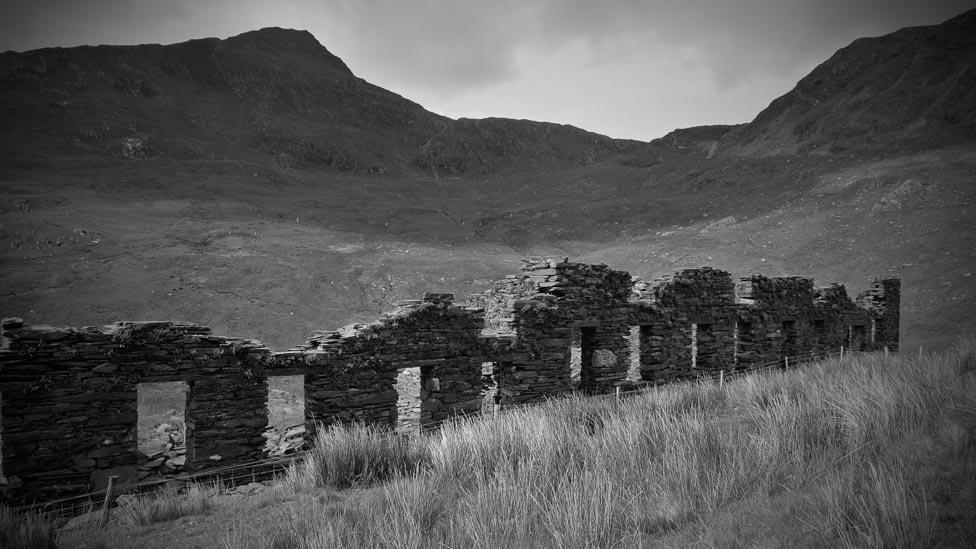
(759, 290)
(704, 284)
(883, 293)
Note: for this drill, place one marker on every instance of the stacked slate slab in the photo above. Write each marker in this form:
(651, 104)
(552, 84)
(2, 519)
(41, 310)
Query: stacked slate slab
(68, 396)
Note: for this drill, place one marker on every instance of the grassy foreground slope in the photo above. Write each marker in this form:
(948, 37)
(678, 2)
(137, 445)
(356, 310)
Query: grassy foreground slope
(869, 451)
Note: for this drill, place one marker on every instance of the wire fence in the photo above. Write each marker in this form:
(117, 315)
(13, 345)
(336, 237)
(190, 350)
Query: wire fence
(62, 510)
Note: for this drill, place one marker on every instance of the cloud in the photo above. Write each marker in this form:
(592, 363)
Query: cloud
(447, 46)
(455, 46)
(634, 68)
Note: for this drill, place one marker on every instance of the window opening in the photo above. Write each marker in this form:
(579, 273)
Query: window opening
(286, 415)
(705, 348)
(409, 399)
(634, 369)
(489, 387)
(575, 358)
(162, 433)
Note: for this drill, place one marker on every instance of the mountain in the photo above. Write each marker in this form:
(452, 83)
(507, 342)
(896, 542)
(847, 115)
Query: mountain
(911, 89)
(256, 185)
(274, 95)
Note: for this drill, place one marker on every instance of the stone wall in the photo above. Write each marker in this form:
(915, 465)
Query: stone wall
(883, 303)
(835, 318)
(774, 318)
(350, 373)
(543, 307)
(68, 397)
(687, 324)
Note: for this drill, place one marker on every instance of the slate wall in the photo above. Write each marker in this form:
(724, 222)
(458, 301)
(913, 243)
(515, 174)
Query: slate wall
(68, 397)
(690, 315)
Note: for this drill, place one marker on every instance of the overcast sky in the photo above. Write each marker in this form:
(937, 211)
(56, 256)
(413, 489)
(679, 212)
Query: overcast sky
(624, 68)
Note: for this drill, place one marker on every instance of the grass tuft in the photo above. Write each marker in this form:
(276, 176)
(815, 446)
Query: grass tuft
(167, 504)
(357, 455)
(26, 530)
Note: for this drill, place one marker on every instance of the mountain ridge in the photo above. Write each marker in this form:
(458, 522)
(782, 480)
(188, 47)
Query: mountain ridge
(271, 194)
(915, 87)
(278, 92)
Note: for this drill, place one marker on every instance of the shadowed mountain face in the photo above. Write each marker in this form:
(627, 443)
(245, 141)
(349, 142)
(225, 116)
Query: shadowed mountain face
(912, 89)
(256, 185)
(274, 96)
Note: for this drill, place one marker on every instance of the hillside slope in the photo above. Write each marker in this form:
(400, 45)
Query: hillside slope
(275, 193)
(911, 89)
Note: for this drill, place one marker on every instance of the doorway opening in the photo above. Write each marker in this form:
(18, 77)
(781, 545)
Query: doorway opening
(819, 331)
(587, 348)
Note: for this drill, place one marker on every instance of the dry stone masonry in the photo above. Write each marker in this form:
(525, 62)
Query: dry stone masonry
(68, 396)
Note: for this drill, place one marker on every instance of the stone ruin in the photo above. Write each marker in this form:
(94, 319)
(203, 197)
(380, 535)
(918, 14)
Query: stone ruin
(68, 396)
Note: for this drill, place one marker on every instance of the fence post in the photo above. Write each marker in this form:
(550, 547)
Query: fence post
(842, 351)
(919, 351)
(107, 504)
(786, 363)
(721, 378)
(886, 351)
(618, 393)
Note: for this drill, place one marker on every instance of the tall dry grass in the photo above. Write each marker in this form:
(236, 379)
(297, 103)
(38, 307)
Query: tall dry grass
(357, 455)
(26, 530)
(827, 455)
(836, 454)
(167, 504)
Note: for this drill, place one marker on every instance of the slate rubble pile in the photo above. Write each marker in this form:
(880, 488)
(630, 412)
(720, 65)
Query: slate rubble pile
(286, 441)
(169, 461)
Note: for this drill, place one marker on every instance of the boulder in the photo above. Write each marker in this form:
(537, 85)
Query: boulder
(137, 147)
